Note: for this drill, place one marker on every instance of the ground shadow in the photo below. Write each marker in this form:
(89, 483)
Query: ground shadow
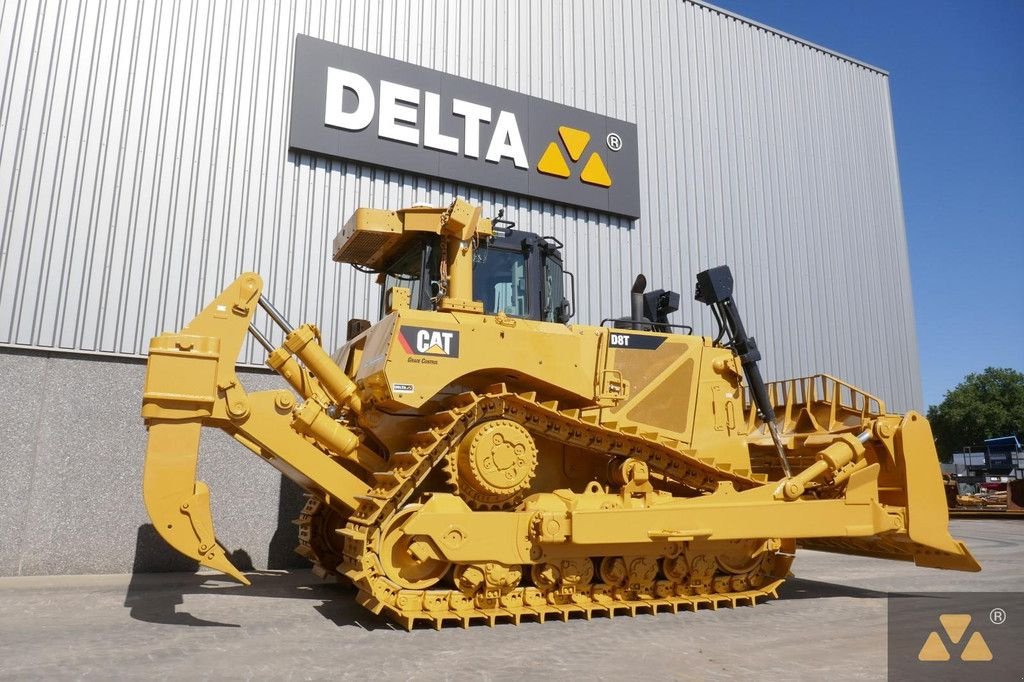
(802, 588)
(161, 579)
(281, 552)
(153, 598)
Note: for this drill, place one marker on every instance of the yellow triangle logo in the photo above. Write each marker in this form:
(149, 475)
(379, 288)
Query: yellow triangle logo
(436, 350)
(553, 163)
(955, 625)
(575, 141)
(933, 649)
(976, 649)
(594, 173)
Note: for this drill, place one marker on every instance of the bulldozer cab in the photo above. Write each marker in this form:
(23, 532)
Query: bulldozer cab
(515, 273)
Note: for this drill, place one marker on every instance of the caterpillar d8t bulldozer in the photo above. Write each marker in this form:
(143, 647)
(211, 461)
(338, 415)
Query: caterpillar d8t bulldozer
(473, 457)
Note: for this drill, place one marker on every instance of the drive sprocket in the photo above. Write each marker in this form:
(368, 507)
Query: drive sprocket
(493, 465)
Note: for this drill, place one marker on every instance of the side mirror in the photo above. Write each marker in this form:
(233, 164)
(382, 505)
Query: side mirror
(563, 313)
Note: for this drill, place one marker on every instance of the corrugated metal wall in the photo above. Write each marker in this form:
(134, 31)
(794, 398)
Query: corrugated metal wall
(144, 162)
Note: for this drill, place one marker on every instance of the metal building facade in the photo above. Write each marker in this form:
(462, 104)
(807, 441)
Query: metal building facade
(144, 163)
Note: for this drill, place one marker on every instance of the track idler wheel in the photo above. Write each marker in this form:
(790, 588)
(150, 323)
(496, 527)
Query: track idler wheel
(642, 570)
(742, 557)
(675, 568)
(410, 562)
(546, 576)
(491, 578)
(567, 573)
(613, 571)
(632, 573)
(702, 572)
(577, 573)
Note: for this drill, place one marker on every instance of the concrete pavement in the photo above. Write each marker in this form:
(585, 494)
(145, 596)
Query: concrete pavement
(829, 623)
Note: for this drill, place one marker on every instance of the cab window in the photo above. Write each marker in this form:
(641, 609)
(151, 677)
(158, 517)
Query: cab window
(553, 290)
(499, 281)
(407, 272)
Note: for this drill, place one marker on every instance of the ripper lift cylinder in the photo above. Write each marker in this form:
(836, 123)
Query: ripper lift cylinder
(302, 342)
(282, 362)
(312, 420)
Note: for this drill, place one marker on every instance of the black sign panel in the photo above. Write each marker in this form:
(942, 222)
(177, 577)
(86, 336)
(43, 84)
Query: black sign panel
(356, 105)
(617, 339)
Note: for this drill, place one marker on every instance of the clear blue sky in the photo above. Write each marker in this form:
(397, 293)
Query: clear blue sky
(956, 75)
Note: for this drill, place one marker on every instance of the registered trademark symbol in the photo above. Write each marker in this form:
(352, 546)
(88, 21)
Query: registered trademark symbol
(997, 616)
(614, 142)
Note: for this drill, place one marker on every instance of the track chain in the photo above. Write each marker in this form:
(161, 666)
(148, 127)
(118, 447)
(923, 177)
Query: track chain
(395, 487)
(318, 541)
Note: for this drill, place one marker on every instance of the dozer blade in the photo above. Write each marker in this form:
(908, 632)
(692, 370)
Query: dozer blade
(178, 504)
(926, 540)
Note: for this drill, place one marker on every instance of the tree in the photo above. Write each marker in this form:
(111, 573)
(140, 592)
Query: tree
(984, 405)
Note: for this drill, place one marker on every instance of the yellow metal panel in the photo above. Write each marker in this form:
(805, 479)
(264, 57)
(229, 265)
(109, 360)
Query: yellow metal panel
(561, 359)
(268, 432)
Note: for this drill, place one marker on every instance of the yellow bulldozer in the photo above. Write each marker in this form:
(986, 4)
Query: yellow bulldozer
(474, 457)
